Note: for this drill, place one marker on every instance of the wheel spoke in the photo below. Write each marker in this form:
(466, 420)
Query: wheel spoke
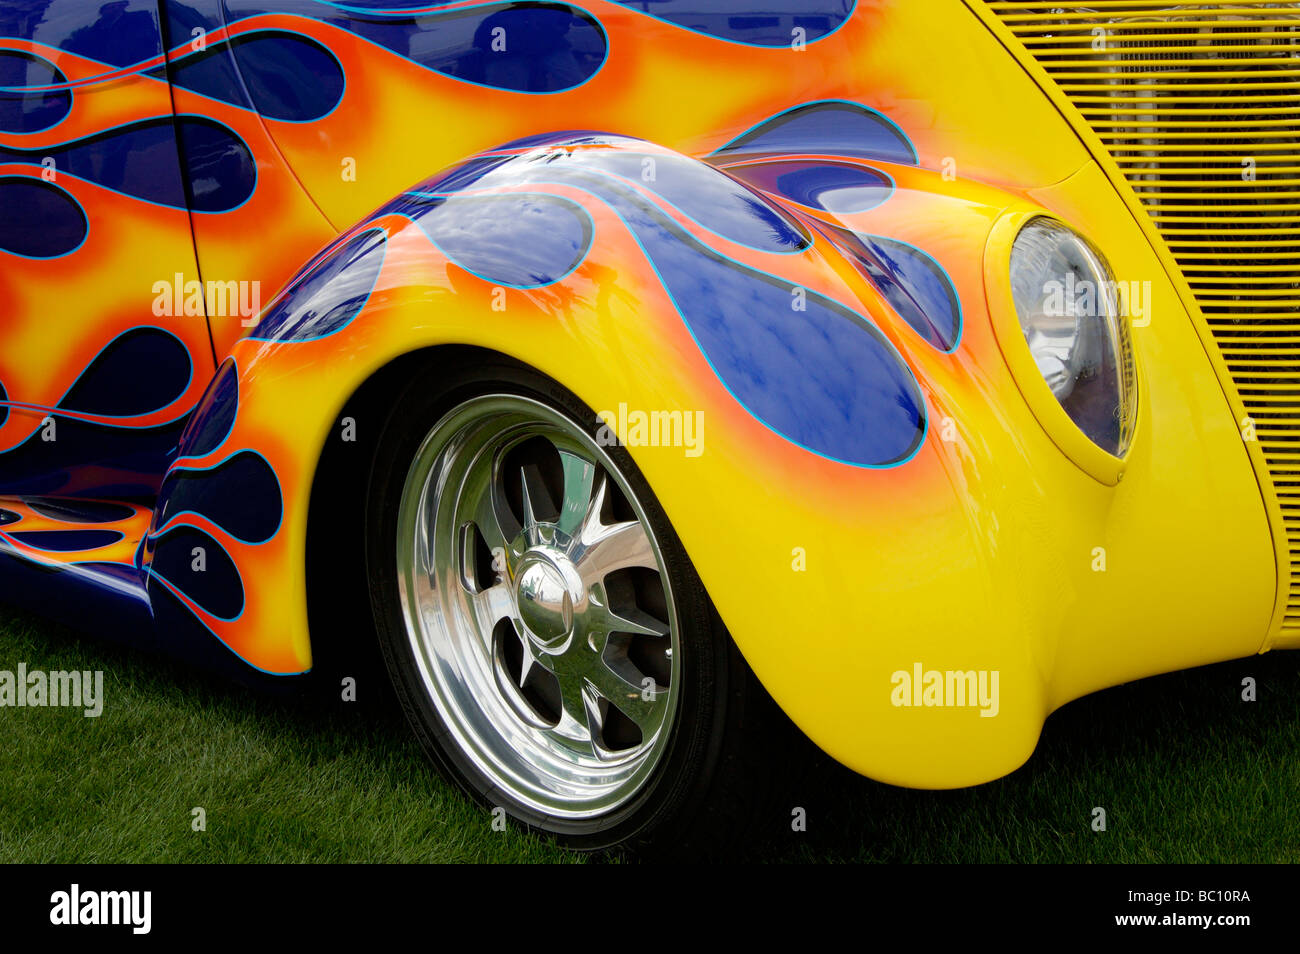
(527, 663)
(605, 548)
(580, 478)
(488, 522)
(638, 703)
(575, 723)
(634, 622)
(491, 606)
(534, 494)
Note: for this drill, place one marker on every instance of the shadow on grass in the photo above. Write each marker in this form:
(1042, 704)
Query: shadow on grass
(1185, 770)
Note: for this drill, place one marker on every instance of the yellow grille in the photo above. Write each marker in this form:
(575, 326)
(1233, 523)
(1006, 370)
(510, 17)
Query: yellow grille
(1199, 106)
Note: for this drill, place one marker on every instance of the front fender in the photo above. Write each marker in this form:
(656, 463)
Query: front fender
(843, 550)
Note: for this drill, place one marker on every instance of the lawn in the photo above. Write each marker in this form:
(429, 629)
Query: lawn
(1186, 771)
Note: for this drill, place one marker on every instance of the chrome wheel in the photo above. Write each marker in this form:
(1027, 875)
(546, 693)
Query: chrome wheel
(537, 606)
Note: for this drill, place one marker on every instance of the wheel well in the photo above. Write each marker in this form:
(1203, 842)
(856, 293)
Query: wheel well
(339, 619)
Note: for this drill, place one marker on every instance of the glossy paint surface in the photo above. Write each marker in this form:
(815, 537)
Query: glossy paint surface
(814, 371)
(778, 221)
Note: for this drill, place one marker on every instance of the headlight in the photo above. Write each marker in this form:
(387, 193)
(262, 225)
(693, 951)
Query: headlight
(1070, 311)
(1061, 323)
(1069, 307)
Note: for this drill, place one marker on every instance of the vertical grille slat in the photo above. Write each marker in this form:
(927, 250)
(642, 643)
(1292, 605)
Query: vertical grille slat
(1198, 104)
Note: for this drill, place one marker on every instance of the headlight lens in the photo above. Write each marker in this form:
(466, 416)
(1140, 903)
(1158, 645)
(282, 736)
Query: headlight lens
(1069, 308)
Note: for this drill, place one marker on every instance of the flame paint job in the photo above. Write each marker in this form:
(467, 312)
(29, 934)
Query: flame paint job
(694, 171)
(28, 112)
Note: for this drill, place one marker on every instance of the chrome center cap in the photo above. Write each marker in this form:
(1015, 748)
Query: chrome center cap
(549, 593)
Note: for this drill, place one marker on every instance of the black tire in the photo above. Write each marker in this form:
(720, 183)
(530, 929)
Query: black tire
(716, 773)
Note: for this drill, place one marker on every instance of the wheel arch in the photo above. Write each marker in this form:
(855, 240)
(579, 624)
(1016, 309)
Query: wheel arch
(339, 623)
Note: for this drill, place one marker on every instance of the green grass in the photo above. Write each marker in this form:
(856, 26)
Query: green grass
(1186, 771)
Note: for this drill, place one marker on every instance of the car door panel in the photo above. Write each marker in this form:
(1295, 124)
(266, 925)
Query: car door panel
(97, 375)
